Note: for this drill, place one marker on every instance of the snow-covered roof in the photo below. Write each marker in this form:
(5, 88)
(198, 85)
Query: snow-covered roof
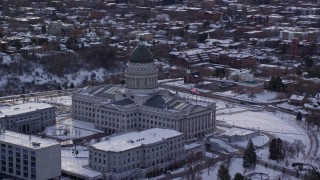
(22, 108)
(132, 140)
(296, 97)
(31, 142)
(76, 164)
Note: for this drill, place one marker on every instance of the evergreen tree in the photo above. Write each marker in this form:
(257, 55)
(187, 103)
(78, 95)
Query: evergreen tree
(280, 149)
(299, 116)
(308, 62)
(250, 156)
(65, 85)
(273, 149)
(223, 173)
(276, 150)
(238, 176)
(276, 84)
(71, 85)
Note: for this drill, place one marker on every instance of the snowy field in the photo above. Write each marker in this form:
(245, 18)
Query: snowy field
(64, 100)
(288, 106)
(237, 109)
(265, 97)
(278, 124)
(71, 129)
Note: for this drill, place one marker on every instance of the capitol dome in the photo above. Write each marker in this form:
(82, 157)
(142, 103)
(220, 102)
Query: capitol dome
(141, 54)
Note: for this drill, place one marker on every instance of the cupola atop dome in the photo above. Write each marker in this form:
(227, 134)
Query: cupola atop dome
(141, 54)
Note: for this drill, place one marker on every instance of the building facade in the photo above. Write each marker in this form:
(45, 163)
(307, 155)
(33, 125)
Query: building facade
(28, 117)
(28, 157)
(141, 105)
(133, 154)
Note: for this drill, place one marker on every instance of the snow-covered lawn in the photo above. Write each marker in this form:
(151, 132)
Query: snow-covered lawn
(264, 97)
(264, 153)
(231, 110)
(64, 100)
(71, 129)
(236, 167)
(278, 124)
(288, 106)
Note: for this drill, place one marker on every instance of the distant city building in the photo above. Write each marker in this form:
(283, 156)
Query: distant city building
(32, 49)
(28, 117)
(247, 83)
(29, 157)
(140, 104)
(297, 100)
(57, 27)
(193, 77)
(133, 154)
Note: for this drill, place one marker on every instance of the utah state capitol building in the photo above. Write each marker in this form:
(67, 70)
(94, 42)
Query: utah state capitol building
(140, 104)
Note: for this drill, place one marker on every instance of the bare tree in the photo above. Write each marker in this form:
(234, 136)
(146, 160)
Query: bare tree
(193, 165)
(299, 147)
(289, 149)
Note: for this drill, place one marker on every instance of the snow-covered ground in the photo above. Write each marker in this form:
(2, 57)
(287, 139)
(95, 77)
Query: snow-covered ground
(278, 124)
(264, 153)
(64, 100)
(40, 76)
(74, 163)
(265, 97)
(71, 129)
(222, 145)
(236, 166)
(257, 141)
(288, 106)
(236, 109)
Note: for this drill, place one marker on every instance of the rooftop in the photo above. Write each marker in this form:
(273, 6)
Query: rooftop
(132, 140)
(27, 141)
(172, 103)
(22, 108)
(141, 54)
